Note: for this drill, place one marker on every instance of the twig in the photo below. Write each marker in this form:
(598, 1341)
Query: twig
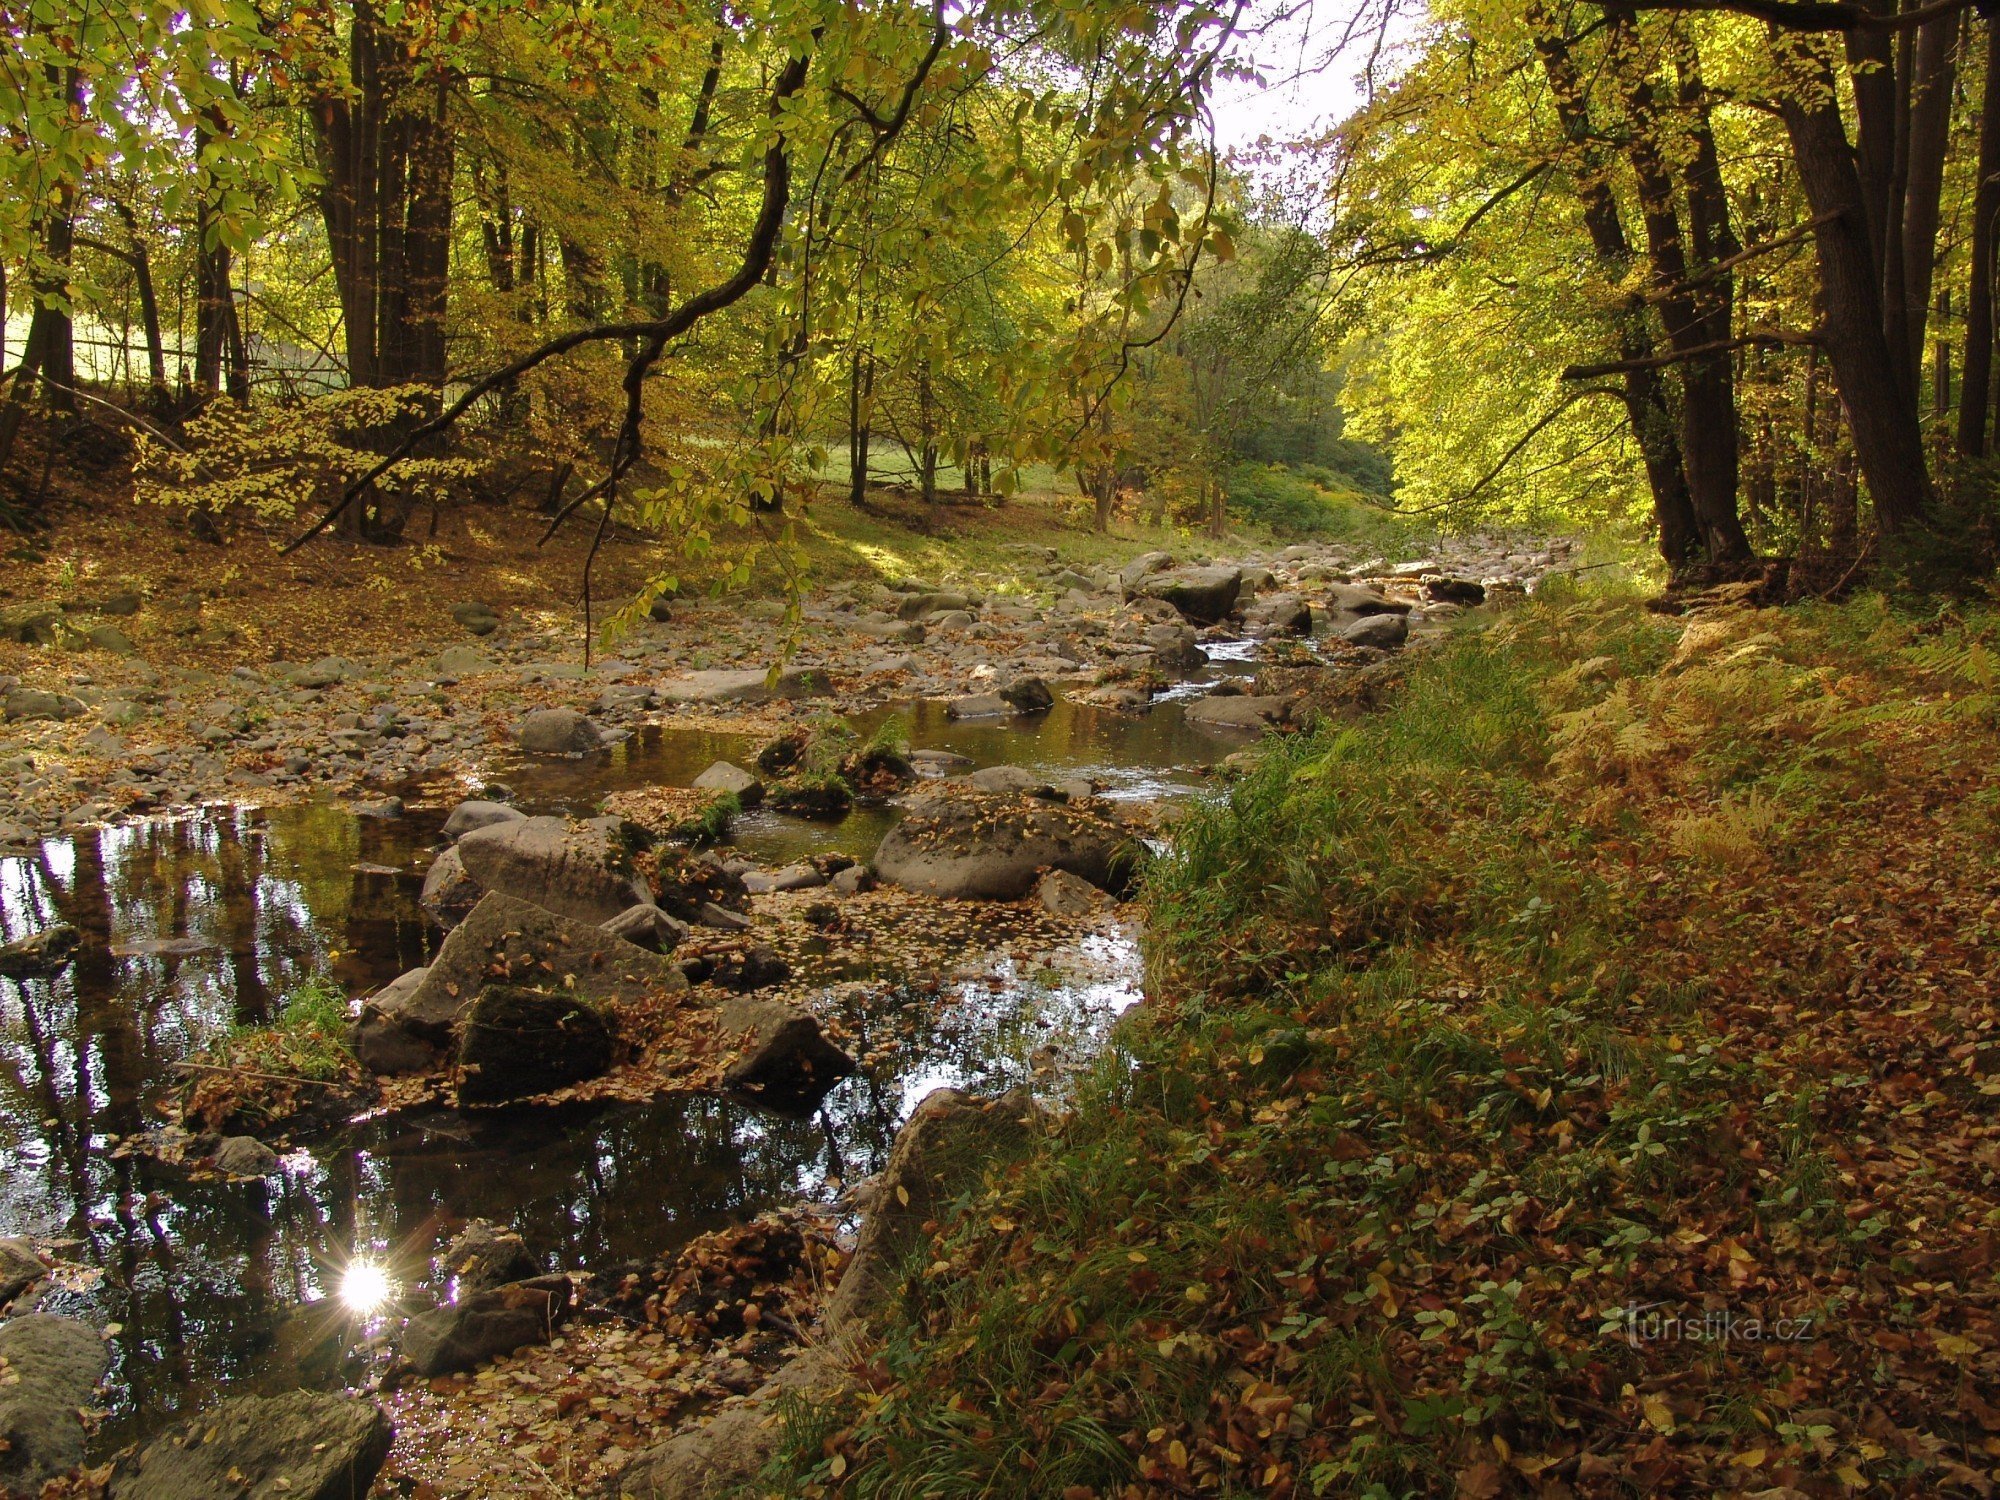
(195, 1067)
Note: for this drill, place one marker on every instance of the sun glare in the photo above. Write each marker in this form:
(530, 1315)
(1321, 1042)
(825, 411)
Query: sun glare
(365, 1286)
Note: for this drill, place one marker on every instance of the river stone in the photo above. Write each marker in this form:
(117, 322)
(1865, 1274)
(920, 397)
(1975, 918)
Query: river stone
(464, 661)
(40, 954)
(323, 673)
(1008, 780)
(580, 869)
(1278, 614)
(488, 1323)
(800, 877)
(111, 638)
(993, 848)
(484, 1255)
(31, 624)
(897, 632)
(732, 779)
(39, 703)
(1238, 711)
(1353, 599)
(475, 813)
(515, 1042)
(20, 1268)
(1141, 568)
(303, 1445)
(557, 731)
(1204, 596)
(979, 706)
(777, 1053)
(1068, 895)
(1174, 646)
(448, 893)
(506, 938)
(750, 685)
(1376, 630)
(244, 1156)
(379, 1043)
(479, 619)
(51, 1367)
(647, 926)
(1029, 695)
(122, 603)
(1455, 591)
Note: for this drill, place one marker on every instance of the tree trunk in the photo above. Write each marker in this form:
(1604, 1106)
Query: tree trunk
(1645, 400)
(1709, 433)
(1934, 74)
(1882, 416)
(1975, 385)
(860, 393)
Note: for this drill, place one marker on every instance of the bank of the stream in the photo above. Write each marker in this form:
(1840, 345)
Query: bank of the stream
(1575, 1080)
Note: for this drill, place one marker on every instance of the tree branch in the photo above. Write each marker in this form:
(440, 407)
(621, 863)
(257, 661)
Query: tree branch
(656, 332)
(1699, 351)
(1807, 15)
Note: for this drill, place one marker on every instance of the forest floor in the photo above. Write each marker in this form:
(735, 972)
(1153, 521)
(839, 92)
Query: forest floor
(1579, 1078)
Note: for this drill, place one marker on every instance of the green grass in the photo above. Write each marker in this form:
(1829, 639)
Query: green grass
(307, 1038)
(1458, 1043)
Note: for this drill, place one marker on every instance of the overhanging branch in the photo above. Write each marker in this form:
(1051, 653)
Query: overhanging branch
(1685, 356)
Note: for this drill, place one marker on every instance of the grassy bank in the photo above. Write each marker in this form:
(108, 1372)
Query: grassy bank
(1579, 1079)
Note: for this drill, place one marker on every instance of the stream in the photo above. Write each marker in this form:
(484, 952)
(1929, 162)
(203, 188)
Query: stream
(196, 923)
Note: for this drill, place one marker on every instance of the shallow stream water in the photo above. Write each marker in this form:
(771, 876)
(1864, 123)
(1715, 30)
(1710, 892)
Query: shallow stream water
(197, 923)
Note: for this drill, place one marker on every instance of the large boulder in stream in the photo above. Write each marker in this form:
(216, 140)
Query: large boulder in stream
(558, 731)
(994, 847)
(777, 1053)
(510, 940)
(40, 954)
(1205, 596)
(52, 1365)
(485, 1324)
(576, 869)
(947, 1143)
(514, 1043)
(304, 1445)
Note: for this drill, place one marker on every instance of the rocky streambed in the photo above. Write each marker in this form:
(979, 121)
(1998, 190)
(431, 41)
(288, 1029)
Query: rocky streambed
(623, 974)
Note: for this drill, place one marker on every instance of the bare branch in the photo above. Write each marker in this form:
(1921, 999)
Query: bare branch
(1699, 351)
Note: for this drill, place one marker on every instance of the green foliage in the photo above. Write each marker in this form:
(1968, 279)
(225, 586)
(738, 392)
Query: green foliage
(273, 461)
(306, 1039)
(1314, 502)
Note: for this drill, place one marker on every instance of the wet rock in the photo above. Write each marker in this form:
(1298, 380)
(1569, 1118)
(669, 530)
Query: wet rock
(1008, 780)
(516, 1042)
(1238, 711)
(449, 893)
(386, 808)
(304, 1445)
(475, 813)
(484, 1255)
(791, 878)
(479, 619)
(1455, 591)
(1068, 895)
(575, 869)
(506, 938)
(51, 1367)
(777, 1052)
(39, 703)
(648, 927)
(488, 1323)
(938, 762)
(1174, 647)
(40, 954)
(1353, 599)
(740, 967)
(1028, 695)
(1383, 631)
(992, 848)
(979, 706)
(558, 731)
(722, 918)
(1204, 596)
(734, 780)
(244, 1156)
(949, 1140)
(20, 1268)
(379, 1042)
(1278, 614)
(852, 881)
(751, 685)
(810, 796)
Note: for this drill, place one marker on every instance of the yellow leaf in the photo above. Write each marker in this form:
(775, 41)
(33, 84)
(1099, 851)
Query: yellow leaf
(839, 1465)
(1850, 1476)
(1748, 1460)
(902, 1195)
(1177, 1454)
(1659, 1415)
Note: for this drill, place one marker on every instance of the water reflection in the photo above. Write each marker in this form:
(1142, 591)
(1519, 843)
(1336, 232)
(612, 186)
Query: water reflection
(195, 925)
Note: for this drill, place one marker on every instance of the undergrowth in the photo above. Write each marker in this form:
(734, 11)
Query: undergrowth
(306, 1038)
(1626, 980)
